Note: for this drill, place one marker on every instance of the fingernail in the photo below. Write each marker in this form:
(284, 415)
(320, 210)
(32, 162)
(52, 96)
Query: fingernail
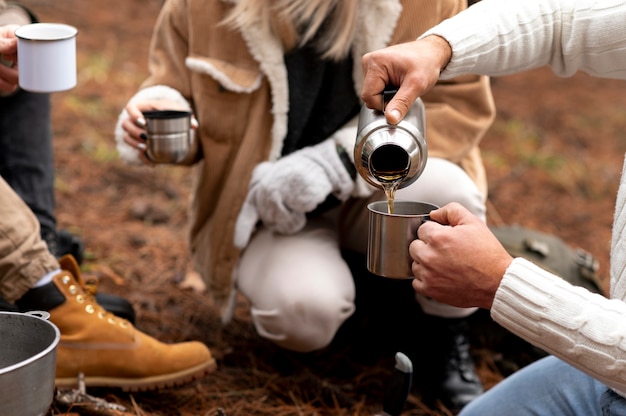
(194, 123)
(144, 136)
(141, 121)
(395, 114)
(141, 146)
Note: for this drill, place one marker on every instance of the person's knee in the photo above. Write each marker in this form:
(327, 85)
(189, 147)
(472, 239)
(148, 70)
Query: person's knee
(303, 323)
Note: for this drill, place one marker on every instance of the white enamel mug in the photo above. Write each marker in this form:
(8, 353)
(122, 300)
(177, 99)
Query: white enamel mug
(46, 57)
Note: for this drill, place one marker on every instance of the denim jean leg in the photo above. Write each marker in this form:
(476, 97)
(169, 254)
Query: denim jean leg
(26, 156)
(546, 387)
(613, 404)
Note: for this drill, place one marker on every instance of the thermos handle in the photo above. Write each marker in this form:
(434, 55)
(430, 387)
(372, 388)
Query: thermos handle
(388, 93)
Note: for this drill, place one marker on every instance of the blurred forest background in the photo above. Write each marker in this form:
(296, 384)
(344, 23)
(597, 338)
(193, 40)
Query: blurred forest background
(553, 157)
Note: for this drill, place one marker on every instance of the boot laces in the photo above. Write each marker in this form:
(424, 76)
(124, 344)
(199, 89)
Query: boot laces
(89, 288)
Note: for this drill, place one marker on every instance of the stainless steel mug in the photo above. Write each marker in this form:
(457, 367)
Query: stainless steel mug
(169, 135)
(389, 236)
(391, 153)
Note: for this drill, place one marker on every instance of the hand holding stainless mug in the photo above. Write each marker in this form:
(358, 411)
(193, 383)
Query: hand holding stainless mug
(160, 130)
(169, 135)
(457, 260)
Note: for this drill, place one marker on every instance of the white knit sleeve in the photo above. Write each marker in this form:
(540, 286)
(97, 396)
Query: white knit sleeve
(583, 328)
(618, 242)
(495, 37)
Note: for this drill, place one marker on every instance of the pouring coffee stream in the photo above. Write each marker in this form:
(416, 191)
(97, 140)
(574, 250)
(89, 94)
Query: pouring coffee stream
(391, 156)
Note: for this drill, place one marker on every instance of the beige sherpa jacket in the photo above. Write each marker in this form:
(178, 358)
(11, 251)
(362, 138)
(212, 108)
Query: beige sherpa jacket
(236, 84)
(12, 13)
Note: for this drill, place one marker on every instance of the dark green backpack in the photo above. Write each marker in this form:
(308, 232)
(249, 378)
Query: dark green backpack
(575, 265)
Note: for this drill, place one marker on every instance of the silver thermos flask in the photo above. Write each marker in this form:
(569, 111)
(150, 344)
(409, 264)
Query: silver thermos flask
(386, 153)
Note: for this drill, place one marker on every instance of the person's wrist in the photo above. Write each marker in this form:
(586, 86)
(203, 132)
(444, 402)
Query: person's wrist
(492, 284)
(442, 48)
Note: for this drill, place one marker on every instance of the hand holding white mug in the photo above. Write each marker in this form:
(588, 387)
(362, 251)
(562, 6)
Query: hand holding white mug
(47, 57)
(8, 50)
(457, 260)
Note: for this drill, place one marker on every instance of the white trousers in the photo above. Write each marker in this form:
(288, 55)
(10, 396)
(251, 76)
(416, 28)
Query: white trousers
(300, 288)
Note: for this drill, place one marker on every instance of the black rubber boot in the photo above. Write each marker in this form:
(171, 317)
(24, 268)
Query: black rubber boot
(7, 307)
(450, 375)
(62, 242)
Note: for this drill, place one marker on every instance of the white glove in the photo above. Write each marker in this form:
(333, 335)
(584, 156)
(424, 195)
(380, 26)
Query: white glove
(283, 192)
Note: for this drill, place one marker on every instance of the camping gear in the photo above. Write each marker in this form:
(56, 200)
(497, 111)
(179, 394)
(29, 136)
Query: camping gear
(27, 363)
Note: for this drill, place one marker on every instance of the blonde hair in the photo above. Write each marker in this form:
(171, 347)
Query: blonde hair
(328, 24)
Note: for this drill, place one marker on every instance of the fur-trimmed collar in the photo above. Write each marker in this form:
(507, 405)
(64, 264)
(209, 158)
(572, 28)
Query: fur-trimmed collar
(375, 26)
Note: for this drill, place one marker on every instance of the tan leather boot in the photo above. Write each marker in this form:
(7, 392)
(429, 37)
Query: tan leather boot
(109, 351)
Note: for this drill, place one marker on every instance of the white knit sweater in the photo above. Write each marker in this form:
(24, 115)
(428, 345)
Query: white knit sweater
(496, 37)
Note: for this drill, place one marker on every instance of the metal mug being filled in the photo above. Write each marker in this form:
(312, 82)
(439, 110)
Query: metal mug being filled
(389, 236)
(169, 135)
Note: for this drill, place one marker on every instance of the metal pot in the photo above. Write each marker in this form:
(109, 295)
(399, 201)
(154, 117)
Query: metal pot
(28, 350)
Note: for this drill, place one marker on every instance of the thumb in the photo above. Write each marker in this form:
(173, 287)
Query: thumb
(8, 41)
(452, 214)
(399, 105)
(246, 222)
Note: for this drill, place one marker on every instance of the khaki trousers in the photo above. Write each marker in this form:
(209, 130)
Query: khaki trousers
(24, 256)
(299, 286)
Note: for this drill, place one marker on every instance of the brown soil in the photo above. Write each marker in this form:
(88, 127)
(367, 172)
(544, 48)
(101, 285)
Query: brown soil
(553, 157)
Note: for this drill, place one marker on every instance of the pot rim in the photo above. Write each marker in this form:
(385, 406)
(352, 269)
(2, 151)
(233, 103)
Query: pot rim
(50, 348)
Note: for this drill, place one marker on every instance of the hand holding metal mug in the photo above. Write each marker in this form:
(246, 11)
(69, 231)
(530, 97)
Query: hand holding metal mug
(161, 130)
(457, 260)
(169, 135)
